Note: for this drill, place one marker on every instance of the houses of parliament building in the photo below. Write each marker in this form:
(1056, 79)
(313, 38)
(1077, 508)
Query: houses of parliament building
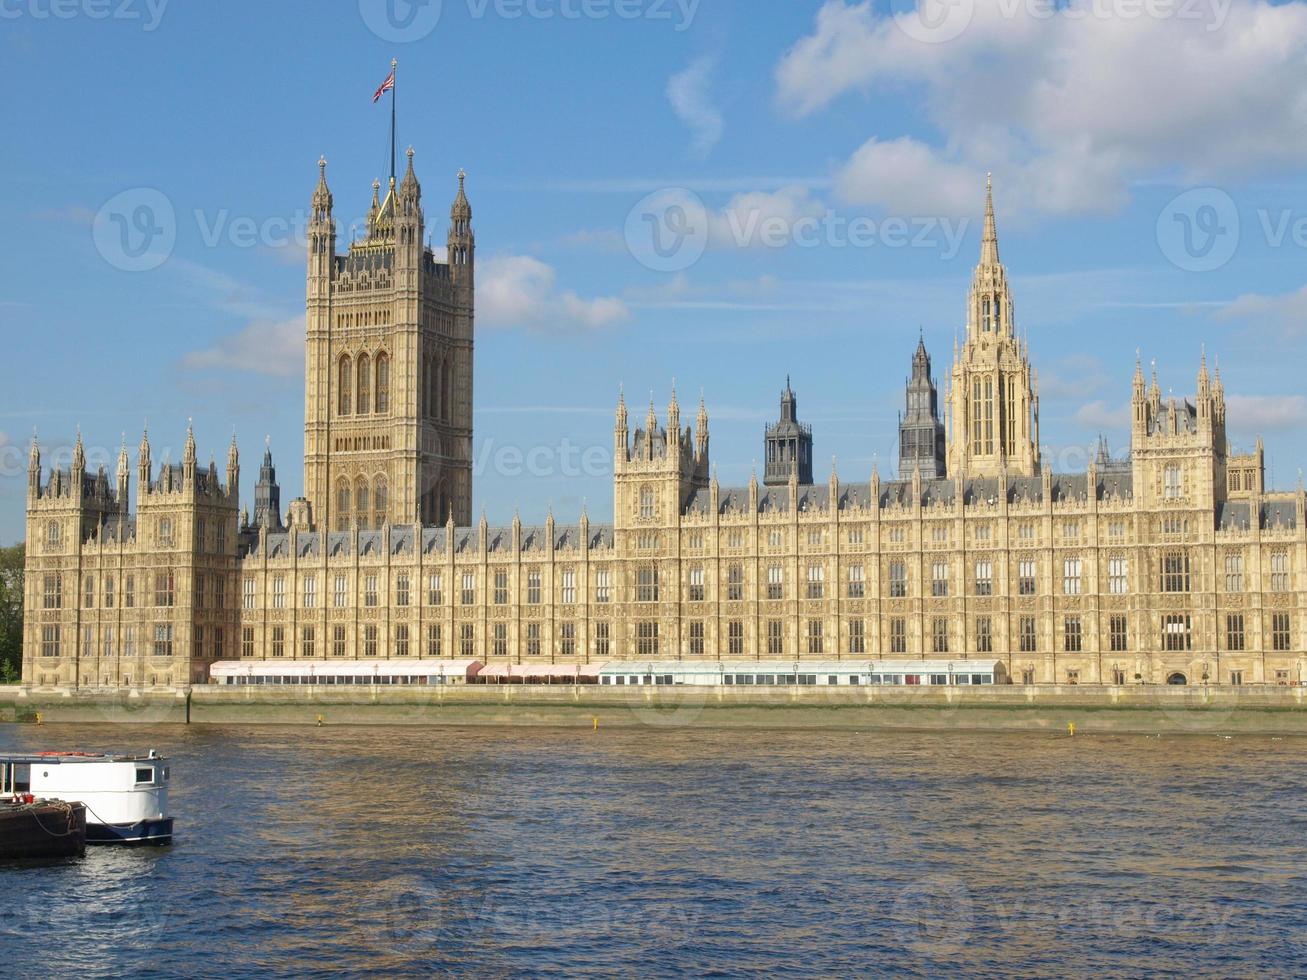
(1176, 565)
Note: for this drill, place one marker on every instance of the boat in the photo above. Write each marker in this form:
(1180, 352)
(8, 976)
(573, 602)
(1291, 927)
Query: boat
(126, 796)
(32, 828)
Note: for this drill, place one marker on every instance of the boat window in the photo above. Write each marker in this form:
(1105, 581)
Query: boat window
(4, 779)
(22, 778)
(144, 776)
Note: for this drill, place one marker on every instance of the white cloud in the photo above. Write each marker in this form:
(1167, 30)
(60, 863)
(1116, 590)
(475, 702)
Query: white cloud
(1285, 310)
(687, 91)
(520, 290)
(762, 218)
(1265, 413)
(274, 347)
(1071, 104)
(907, 177)
(1101, 415)
(1075, 377)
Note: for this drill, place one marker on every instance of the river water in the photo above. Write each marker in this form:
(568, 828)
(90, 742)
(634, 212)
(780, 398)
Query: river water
(676, 852)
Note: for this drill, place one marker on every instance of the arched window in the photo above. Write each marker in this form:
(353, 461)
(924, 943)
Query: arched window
(52, 534)
(365, 384)
(342, 505)
(380, 500)
(344, 385)
(985, 314)
(433, 389)
(361, 502)
(383, 384)
(646, 502)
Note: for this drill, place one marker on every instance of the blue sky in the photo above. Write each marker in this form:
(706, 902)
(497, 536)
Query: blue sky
(1111, 136)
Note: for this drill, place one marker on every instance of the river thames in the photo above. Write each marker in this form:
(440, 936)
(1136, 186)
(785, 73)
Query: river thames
(676, 852)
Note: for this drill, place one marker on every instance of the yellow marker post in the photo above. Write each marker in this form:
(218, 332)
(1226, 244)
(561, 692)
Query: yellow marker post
(596, 721)
(40, 719)
(1071, 727)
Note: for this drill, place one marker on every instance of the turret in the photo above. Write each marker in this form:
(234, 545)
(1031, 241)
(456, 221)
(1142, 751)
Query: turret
(79, 468)
(701, 433)
(408, 220)
(674, 421)
(188, 458)
(321, 233)
(34, 469)
(462, 241)
(233, 469)
(621, 431)
(143, 466)
(123, 474)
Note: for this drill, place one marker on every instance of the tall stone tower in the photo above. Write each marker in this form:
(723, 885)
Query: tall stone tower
(921, 433)
(388, 380)
(788, 445)
(993, 396)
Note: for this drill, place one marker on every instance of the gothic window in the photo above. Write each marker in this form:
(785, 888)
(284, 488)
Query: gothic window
(361, 502)
(365, 384)
(383, 384)
(52, 535)
(1171, 488)
(342, 506)
(381, 501)
(986, 315)
(646, 503)
(989, 416)
(344, 386)
(1175, 572)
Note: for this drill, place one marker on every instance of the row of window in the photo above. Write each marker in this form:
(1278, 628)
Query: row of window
(164, 535)
(1176, 635)
(1175, 578)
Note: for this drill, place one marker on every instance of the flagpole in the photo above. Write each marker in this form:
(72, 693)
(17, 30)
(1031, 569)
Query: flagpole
(393, 65)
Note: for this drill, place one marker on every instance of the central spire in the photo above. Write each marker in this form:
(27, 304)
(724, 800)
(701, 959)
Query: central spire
(989, 241)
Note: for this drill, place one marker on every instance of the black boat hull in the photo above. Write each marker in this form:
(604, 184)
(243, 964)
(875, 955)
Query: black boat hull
(42, 830)
(146, 833)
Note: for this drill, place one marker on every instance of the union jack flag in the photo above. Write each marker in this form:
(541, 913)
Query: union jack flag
(386, 86)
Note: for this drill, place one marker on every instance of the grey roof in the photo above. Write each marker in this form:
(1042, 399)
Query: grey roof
(1233, 515)
(1279, 514)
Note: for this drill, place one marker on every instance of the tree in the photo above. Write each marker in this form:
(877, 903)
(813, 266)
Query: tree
(12, 561)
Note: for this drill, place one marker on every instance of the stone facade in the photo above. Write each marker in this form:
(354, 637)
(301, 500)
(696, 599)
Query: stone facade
(1175, 564)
